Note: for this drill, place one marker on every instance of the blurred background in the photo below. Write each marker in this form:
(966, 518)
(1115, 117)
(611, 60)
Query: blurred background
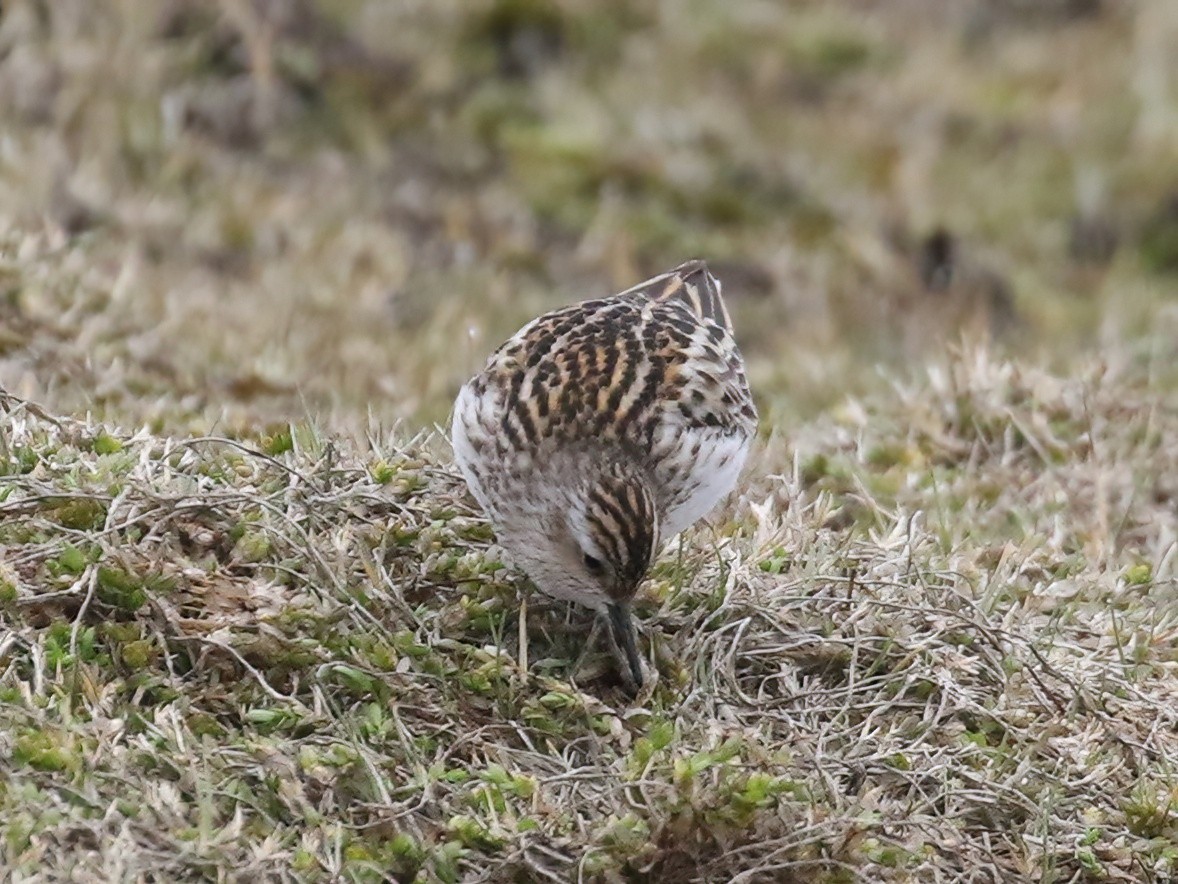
(225, 215)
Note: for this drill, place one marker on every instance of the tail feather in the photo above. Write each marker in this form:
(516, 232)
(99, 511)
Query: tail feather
(692, 284)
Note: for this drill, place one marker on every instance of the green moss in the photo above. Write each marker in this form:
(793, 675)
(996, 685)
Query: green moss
(269, 720)
(626, 836)
(204, 725)
(659, 736)
(278, 442)
(382, 472)
(353, 679)
(1139, 575)
(443, 860)
(138, 654)
(44, 751)
(8, 591)
(253, 546)
(104, 443)
(121, 589)
(78, 514)
(474, 834)
(21, 460)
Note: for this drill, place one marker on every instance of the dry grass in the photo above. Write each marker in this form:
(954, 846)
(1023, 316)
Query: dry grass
(941, 647)
(249, 631)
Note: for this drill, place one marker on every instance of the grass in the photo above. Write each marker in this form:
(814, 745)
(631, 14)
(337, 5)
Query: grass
(943, 643)
(252, 625)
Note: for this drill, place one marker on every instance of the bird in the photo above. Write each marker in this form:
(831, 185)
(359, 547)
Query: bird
(601, 430)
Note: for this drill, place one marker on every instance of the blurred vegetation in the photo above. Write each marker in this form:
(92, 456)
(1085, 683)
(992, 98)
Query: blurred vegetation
(233, 213)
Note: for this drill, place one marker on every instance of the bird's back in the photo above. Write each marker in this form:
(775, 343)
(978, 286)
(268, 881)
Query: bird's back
(653, 371)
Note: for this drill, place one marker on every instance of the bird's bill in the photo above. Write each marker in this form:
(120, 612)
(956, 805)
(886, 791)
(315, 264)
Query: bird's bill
(623, 633)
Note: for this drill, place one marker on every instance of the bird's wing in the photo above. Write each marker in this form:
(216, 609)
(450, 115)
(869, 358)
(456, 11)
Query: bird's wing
(694, 285)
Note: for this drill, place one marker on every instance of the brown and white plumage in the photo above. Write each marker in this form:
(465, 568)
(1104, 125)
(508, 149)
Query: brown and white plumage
(602, 429)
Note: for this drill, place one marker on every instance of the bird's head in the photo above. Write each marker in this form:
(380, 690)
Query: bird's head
(600, 535)
(613, 526)
(614, 529)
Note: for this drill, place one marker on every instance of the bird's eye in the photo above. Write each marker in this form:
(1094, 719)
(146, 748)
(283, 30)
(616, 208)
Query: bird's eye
(594, 564)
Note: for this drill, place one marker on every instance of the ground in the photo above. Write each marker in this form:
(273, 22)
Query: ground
(253, 626)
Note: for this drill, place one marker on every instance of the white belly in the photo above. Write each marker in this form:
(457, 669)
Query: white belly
(696, 482)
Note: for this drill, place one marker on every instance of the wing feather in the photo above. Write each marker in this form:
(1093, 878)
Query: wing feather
(692, 284)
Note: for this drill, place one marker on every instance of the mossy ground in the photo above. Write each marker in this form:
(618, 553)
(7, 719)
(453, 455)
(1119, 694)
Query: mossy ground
(254, 627)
